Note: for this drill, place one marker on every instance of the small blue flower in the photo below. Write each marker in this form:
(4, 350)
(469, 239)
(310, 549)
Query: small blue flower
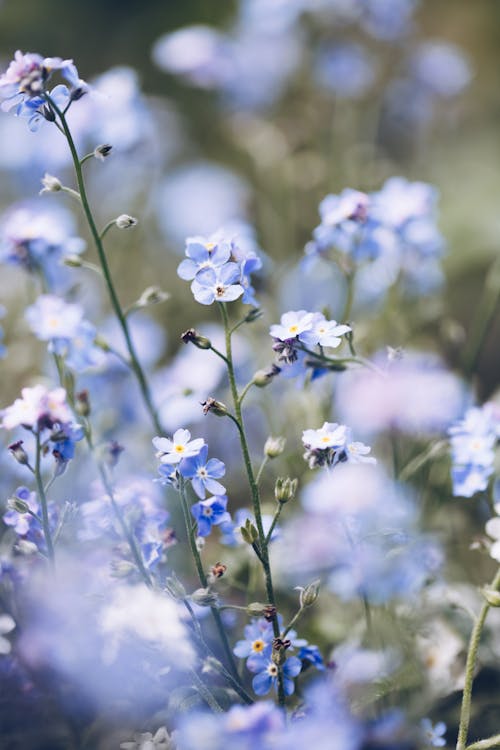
(64, 437)
(203, 474)
(266, 672)
(258, 635)
(433, 735)
(312, 655)
(210, 512)
(203, 253)
(217, 285)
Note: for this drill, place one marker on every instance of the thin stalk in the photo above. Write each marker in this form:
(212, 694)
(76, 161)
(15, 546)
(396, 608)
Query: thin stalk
(245, 391)
(292, 622)
(486, 744)
(106, 229)
(485, 315)
(205, 693)
(202, 575)
(470, 666)
(134, 361)
(263, 549)
(43, 502)
(274, 522)
(261, 469)
(218, 665)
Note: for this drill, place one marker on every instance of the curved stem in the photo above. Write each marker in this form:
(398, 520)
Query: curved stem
(485, 744)
(470, 669)
(43, 502)
(254, 489)
(202, 575)
(134, 362)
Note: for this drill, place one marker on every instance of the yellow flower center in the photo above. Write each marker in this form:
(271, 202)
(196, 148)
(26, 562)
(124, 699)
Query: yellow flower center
(258, 645)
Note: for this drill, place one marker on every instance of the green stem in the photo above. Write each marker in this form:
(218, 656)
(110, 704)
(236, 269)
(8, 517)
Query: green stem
(490, 742)
(274, 522)
(292, 622)
(419, 461)
(349, 296)
(261, 469)
(245, 391)
(107, 228)
(485, 315)
(264, 552)
(205, 693)
(134, 362)
(215, 661)
(202, 575)
(470, 666)
(43, 502)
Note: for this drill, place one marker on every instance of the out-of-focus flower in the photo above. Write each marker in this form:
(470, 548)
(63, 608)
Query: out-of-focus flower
(38, 408)
(7, 625)
(441, 68)
(473, 442)
(433, 735)
(345, 69)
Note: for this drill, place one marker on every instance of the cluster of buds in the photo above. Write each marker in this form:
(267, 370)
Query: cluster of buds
(285, 489)
(286, 350)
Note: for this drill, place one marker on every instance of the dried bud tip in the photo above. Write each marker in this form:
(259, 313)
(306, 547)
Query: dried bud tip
(193, 337)
(124, 221)
(102, 151)
(218, 570)
(19, 453)
(82, 403)
(215, 407)
(264, 377)
(309, 594)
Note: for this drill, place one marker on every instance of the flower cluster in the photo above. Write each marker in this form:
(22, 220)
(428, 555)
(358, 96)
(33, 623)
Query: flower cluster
(257, 648)
(23, 87)
(182, 457)
(473, 440)
(394, 227)
(63, 326)
(332, 444)
(297, 333)
(219, 269)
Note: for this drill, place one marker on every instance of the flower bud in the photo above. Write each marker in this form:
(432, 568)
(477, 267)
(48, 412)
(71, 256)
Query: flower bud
(73, 261)
(82, 403)
(193, 337)
(263, 377)
(309, 594)
(153, 295)
(19, 453)
(491, 596)
(285, 489)
(204, 598)
(254, 314)
(175, 588)
(216, 572)
(124, 221)
(102, 151)
(256, 609)
(249, 532)
(17, 504)
(215, 407)
(112, 452)
(50, 184)
(274, 446)
(270, 613)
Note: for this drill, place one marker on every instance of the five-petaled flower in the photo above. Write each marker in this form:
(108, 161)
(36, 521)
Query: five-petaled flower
(179, 447)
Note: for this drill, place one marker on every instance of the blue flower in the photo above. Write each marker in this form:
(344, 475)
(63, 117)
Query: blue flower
(210, 512)
(258, 635)
(64, 437)
(473, 441)
(312, 655)
(203, 253)
(217, 285)
(433, 735)
(203, 474)
(266, 672)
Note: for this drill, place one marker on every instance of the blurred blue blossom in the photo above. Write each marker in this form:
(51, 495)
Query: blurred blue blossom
(473, 440)
(345, 69)
(433, 735)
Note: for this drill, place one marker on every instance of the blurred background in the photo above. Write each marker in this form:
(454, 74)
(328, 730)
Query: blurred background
(259, 119)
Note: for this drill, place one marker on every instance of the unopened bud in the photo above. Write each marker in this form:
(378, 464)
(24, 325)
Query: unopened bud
(204, 597)
(102, 343)
(491, 596)
(102, 151)
(309, 594)
(193, 337)
(278, 655)
(249, 532)
(153, 295)
(175, 588)
(270, 613)
(73, 261)
(19, 453)
(124, 221)
(285, 489)
(254, 314)
(256, 609)
(112, 453)
(20, 506)
(274, 446)
(264, 377)
(215, 407)
(50, 184)
(82, 403)
(216, 572)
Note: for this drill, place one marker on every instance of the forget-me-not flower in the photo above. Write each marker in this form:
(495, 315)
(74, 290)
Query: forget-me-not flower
(203, 473)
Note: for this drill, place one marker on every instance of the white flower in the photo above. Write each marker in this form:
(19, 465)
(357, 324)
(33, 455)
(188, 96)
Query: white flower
(181, 446)
(50, 184)
(124, 221)
(331, 435)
